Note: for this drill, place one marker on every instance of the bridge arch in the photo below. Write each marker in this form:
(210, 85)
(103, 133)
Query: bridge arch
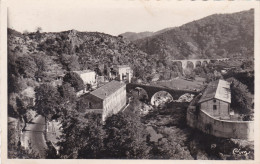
(178, 63)
(186, 97)
(191, 64)
(161, 97)
(204, 63)
(141, 94)
(198, 63)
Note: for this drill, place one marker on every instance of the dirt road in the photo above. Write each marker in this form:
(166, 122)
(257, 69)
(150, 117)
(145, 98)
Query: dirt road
(34, 134)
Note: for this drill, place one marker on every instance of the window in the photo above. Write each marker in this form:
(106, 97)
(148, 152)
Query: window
(215, 107)
(90, 105)
(214, 101)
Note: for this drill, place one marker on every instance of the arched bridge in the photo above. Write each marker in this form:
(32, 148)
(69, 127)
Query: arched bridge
(152, 90)
(196, 62)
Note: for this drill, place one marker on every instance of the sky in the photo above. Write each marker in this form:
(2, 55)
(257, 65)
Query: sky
(112, 16)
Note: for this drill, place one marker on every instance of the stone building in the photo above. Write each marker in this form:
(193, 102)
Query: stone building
(121, 73)
(88, 77)
(210, 113)
(108, 99)
(216, 99)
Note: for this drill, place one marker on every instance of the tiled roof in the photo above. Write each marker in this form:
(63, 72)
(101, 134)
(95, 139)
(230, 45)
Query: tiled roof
(107, 89)
(219, 90)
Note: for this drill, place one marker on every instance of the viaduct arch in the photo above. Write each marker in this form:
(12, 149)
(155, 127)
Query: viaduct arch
(196, 62)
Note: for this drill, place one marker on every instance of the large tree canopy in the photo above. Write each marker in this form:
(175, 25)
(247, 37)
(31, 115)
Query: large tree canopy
(47, 100)
(126, 137)
(74, 80)
(82, 136)
(241, 100)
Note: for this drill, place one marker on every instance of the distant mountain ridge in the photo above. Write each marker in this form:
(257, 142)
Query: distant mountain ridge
(215, 36)
(132, 36)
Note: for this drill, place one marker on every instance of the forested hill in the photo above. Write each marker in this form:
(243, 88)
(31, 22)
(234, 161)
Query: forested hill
(68, 51)
(48, 55)
(215, 36)
(132, 36)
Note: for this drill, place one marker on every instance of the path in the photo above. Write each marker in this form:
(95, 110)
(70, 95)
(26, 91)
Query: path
(34, 135)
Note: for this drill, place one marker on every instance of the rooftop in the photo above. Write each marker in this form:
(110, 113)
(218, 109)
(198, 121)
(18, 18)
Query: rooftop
(107, 89)
(219, 89)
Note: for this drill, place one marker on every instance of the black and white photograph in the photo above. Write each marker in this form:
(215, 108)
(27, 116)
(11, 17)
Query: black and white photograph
(153, 80)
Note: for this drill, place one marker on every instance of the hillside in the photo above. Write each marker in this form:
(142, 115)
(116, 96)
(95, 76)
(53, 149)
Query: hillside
(132, 36)
(215, 36)
(73, 50)
(49, 55)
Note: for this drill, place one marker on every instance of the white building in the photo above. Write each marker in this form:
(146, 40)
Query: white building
(122, 72)
(107, 100)
(88, 77)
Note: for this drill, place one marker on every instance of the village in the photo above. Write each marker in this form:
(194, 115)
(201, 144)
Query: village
(181, 93)
(203, 107)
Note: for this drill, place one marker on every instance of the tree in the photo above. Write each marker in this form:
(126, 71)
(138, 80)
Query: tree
(26, 66)
(47, 100)
(190, 74)
(21, 110)
(82, 136)
(67, 92)
(38, 29)
(70, 62)
(241, 100)
(38, 33)
(48, 69)
(74, 80)
(126, 137)
(67, 98)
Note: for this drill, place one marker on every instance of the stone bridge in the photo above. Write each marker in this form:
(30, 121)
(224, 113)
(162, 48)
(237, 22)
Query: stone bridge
(152, 90)
(196, 62)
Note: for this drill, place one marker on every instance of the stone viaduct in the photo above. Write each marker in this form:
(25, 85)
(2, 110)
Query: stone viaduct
(196, 62)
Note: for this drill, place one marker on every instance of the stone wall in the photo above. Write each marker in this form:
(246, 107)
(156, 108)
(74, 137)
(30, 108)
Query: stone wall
(220, 128)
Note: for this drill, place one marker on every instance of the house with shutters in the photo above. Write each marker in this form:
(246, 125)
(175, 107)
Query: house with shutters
(211, 113)
(107, 100)
(216, 99)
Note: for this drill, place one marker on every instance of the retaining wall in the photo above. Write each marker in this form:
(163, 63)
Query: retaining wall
(220, 128)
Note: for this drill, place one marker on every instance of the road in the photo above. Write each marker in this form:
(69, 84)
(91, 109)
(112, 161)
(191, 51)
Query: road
(35, 136)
